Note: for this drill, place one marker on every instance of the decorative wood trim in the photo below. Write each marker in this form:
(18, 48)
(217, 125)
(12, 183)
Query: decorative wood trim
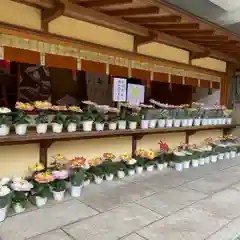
(204, 84)
(177, 79)
(191, 82)
(141, 74)
(118, 71)
(57, 61)
(91, 66)
(161, 77)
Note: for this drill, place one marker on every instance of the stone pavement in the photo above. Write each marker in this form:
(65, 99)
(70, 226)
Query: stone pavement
(199, 203)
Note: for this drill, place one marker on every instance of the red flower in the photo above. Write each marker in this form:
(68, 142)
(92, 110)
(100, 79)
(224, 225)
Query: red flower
(163, 146)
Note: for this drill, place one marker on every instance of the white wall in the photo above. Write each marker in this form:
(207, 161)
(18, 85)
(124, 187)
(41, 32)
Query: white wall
(202, 96)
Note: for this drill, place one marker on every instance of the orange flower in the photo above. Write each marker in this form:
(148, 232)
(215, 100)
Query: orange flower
(78, 162)
(44, 177)
(125, 157)
(95, 161)
(141, 152)
(150, 155)
(108, 156)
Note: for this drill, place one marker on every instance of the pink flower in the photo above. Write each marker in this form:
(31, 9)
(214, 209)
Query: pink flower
(62, 174)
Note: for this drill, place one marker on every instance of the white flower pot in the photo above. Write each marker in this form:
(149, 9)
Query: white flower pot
(87, 126)
(233, 154)
(176, 122)
(229, 120)
(215, 121)
(112, 126)
(214, 158)
(40, 201)
(169, 123)
(195, 162)
(122, 124)
(132, 125)
(221, 156)
(227, 155)
(131, 172)
(58, 196)
(150, 168)
(4, 130)
(205, 121)
(207, 160)
(165, 165)
(21, 129)
(197, 122)
(99, 126)
(3, 213)
(152, 123)
(76, 191)
(178, 166)
(161, 123)
(41, 128)
(224, 121)
(86, 183)
(109, 177)
(201, 161)
(57, 128)
(139, 170)
(190, 122)
(184, 122)
(238, 154)
(160, 166)
(18, 208)
(98, 180)
(144, 124)
(186, 164)
(121, 174)
(72, 127)
(171, 164)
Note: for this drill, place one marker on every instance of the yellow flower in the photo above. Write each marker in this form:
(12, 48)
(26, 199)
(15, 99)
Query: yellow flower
(59, 156)
(141, 152)
(150, 155)
(125, 156)
(95, 161)
(37, 167)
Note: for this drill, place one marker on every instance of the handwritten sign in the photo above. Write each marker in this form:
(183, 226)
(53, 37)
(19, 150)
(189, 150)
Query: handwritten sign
(119, 89)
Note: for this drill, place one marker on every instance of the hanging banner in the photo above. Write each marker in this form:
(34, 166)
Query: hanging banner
(119, 89)
(135, 94)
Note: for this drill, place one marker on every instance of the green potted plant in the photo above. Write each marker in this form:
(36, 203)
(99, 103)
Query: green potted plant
(42, 121)
(5, 199)
(59, 186)
(141, 160)
(57, 122)
(71, 122)
(122, 123)
(87, 179)
(161, 117)
(178, 159)
(87, 117)
(133, 119)
(98, 174)
(121, 169)
(100, 121)
(21, 121)
(170, 115)
(5, 121)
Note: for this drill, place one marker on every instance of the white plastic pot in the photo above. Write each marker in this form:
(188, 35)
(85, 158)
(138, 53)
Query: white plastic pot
(214, 158)
(122, 124)
(21, 129)
(3, 213)
(86, 183)
(238, 154)
(109, 177)
(40, 201)
(131, 172)
(76, 191)
(132, 125)
(144, 124)
(169, 123)
(4, 130)
(18, 208)
(205, 121)
(57, 128)
(184, 122)
(99, 126)
(171, 164)
(197, 122)
(207, 160)
(190, 122)
(201, 161)
(121, 174)
(152, 123)
(186, 164)
(87, 126)
(165, 165)
(150, 168)
(227, 155)
(211, 121)
(161, 123)
(112, 126)
(160, 166)
(58, 196)
(72, 127)
(219, 121)
(41, 128)
(176, 122)
(139, 170)
(221, 156)
(224, 121)
(178, 166)
(98, 180)
(195, 162)
(233, 154)
(229, 120)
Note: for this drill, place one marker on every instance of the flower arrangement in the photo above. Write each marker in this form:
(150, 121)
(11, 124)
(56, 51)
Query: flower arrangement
(5, 121)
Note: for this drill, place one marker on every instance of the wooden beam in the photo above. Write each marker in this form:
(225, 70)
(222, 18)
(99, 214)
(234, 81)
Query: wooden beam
(48, 15)
(217, 43)
(205, 38)
(194, 55)
(159, 26)
(154, 19)
(132, 11)
(187, 32)
(104, 3)
(138, 41)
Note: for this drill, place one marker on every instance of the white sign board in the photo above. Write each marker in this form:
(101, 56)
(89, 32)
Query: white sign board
(135, 94)
(119, 89)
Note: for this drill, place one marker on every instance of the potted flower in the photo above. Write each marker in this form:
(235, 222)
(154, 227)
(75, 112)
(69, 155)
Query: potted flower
(178, 114)
(133, 119)
(112, 118)
(88, 116)
(122, 123)
(20, 119)
(130, 163)
(164, 155)
(161, 118)
(169, 120)
(96, 170)
(5, 199)
(87, 179)
(145, 121)
(179, 158)
(100, 121)
(58, 186)
(108, 166)
(197, 113)
(57, 122)
(78, 166)
(151, 161)
(141, 160)
(20, 192)
(72, 120)
(121, 169)
(41, 188)
(228, 114)
(5, 121)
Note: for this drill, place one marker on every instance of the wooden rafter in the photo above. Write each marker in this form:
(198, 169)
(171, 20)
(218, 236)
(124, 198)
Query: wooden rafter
(154, 19)
(206, 39)
(132, 11)
(194, 55)
(166, 26)
(48, 15)
(104, 3)
(217, 43)
(204, 33)
(138, 40)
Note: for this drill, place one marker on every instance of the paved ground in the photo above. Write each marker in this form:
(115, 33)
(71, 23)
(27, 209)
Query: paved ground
(201, 203)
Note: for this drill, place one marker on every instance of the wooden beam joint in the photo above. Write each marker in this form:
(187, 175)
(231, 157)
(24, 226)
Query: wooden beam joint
(138, 40)
(195, 55)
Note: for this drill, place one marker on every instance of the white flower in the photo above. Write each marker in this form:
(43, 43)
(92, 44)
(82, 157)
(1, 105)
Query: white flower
(179, 154)
(4, 190)
(4, 110)
(131, 161)
(21, 185)
(4, 181)
(89, 103)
